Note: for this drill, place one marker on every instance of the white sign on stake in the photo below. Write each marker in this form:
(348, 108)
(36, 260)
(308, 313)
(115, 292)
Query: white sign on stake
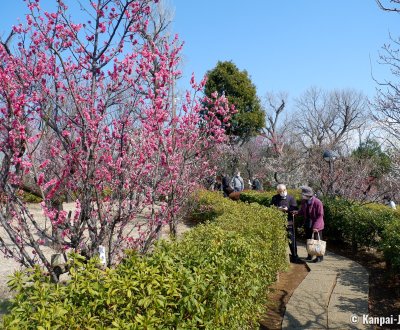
(102, 255)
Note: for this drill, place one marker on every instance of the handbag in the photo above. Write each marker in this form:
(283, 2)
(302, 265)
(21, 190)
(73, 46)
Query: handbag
(316, 247)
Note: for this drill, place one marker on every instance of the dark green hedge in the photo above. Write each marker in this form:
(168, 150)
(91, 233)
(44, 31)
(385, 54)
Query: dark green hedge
(215, 277)
(265, 197)
(369, 225)
(390, 244)
(360, 225)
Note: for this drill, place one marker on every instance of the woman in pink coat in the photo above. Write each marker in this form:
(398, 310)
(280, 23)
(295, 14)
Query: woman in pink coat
(312, 211)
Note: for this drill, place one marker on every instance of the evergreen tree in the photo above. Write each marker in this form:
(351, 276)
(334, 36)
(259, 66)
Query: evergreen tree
(370, 149)
(236, 85)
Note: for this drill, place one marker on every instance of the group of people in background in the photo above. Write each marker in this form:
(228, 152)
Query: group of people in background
(311, 209)
(236, 184)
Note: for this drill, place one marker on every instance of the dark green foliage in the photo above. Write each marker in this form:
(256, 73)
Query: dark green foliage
(360, 225)
(265, 197)
(28, 197)
(371, 150)
(390, 243)
(262, 198)
(215, 277)
(227, 79)
(371, 225)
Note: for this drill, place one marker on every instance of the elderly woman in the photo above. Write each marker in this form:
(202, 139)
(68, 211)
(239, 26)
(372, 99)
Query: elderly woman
(313, 212)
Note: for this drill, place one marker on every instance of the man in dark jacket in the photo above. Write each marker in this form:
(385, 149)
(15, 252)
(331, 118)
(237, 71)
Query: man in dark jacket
(226, 185)
(255, 184)
(312, 211)
(287, 203)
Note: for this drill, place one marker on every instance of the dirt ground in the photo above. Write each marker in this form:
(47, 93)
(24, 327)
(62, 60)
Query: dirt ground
(281, 292)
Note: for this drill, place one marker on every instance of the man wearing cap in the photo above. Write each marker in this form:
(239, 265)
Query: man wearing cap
(312, 211)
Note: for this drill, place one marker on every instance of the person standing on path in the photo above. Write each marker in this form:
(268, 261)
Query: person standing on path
(287, 203)
(237, 182)
(312, 211)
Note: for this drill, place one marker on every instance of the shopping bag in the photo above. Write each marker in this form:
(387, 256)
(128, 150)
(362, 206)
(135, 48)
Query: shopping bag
(316, 247)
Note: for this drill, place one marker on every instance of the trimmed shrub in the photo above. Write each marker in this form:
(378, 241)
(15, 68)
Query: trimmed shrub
(262, 198)
(359, 225)
(215, 277)
(390, 244)
(265, 197)
(208, 206)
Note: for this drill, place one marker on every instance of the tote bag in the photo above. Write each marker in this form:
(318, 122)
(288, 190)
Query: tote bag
(316, 247)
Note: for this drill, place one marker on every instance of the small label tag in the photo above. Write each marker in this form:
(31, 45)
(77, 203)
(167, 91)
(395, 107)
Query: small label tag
(102, 255)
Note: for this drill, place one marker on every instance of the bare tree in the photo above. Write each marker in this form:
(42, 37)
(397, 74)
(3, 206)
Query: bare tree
(387, 100)
(393, 8)
(253, 154)
(350, 178)
(329, 119)
(275, 129)
(279, 158)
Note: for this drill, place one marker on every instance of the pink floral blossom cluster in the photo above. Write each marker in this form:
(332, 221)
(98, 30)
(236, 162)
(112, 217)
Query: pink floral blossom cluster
(88, 114)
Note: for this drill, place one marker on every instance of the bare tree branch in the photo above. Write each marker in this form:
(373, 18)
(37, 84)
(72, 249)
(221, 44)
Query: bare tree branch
(386, 8)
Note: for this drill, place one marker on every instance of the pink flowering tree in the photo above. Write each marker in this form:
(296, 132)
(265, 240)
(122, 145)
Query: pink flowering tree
(87, 113)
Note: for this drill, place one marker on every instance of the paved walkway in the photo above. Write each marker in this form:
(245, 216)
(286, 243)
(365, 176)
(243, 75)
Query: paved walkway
(334, 295)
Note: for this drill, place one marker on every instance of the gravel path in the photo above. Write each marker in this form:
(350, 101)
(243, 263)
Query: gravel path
(7, 268)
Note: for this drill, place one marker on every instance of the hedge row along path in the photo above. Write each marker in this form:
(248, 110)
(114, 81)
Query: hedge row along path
(333, 295)
(330, 294)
